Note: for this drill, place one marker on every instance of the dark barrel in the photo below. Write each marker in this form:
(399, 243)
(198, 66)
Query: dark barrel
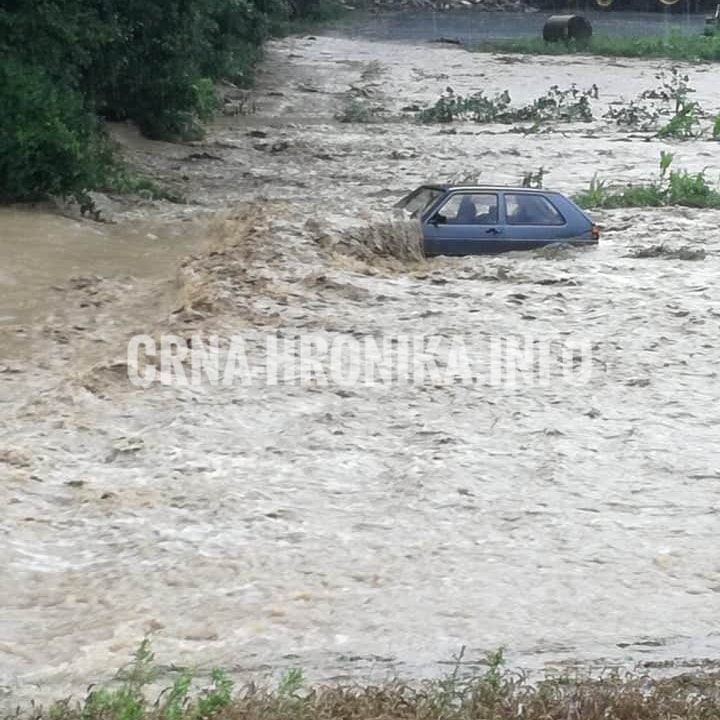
(567, 27)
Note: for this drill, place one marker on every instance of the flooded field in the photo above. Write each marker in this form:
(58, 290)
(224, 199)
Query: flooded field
(365, 530)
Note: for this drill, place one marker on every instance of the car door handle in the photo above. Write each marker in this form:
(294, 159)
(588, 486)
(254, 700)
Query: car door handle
(492, 231)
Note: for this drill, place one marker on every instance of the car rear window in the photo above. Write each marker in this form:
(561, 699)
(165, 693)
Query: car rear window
(531, 209)
(418, 200)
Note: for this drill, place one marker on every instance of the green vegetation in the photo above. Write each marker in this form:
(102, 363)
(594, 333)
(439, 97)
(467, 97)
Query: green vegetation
(359, 111)
(673, 187)
(665, 110)
(683, 124)
(634, 114)
(532, 179)
(493, 693)
(66, 63)
(676, 46)
(128, 701)
(556, 105)
(50, 143)
(716, 128)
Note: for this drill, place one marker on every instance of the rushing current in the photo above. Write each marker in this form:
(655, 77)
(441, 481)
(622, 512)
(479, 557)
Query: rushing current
(362, 530)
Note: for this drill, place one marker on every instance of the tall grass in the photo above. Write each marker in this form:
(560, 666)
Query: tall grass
(676, 46)
(490, 694)
(672, 187)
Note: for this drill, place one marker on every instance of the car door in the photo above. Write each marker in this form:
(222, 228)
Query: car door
(466, 223)
(532, 220)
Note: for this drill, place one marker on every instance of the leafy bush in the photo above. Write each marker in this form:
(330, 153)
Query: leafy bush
(673, 187)
(477, 106)
(359, 111)
(634, 114)
(669, 100)
(556, 105)
(154, 62)
(158, 59)
(683, 124)
(50, 143)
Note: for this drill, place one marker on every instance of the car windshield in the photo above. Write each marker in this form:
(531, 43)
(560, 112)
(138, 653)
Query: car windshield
(419, 199)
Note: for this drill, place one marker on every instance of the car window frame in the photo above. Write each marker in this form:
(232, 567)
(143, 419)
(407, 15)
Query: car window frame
(421, 212)
(506, 217)
(450, 195)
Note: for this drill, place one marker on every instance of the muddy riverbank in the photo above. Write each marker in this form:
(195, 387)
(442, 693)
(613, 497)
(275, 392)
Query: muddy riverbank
(361, 530)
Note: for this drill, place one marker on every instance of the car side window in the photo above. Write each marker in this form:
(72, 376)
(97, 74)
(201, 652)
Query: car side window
(530, 209)
(470, 209)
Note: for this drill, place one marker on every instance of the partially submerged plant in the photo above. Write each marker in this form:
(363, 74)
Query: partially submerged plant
(670, 98)
(128, 700)
(673, 187)
(556, 105)
(532, 179)
(359, 111)
(634, 114)
(478, 107)
(674, 89)
(716, 128)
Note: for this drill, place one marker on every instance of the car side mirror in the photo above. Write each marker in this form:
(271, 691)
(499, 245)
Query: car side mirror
(438, 219)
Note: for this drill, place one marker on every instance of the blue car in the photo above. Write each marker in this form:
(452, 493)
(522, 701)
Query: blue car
(477, 220)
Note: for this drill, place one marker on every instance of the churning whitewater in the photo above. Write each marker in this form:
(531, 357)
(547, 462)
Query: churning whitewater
(364, 529)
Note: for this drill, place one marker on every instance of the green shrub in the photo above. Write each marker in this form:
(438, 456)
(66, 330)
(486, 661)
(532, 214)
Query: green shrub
(673, 187)
(478, 107)
(683, 124)
(359, 111)
(50, 143)
(556, 105)
(154, 62)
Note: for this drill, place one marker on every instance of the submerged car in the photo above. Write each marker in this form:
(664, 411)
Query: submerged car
(476, 220)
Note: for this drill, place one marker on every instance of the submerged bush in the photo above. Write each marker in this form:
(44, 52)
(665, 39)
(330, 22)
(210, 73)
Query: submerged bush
(673, 187)
(359, 111)
(478, 107)
(683, 124)
(716, 128)
(556, 105)
(670, 99)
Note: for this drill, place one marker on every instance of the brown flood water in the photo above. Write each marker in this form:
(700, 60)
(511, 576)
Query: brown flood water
(366, 530)
(42, 251)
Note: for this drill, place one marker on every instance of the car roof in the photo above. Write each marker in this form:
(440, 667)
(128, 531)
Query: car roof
(448, 188)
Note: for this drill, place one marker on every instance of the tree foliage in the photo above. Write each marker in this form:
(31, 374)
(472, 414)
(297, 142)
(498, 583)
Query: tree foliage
(154, 62)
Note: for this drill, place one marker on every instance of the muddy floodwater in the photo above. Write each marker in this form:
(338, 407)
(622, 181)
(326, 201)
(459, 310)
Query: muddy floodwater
(362, 530)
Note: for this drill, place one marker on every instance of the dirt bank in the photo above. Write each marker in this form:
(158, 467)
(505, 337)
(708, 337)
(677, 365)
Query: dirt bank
(366, 529)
